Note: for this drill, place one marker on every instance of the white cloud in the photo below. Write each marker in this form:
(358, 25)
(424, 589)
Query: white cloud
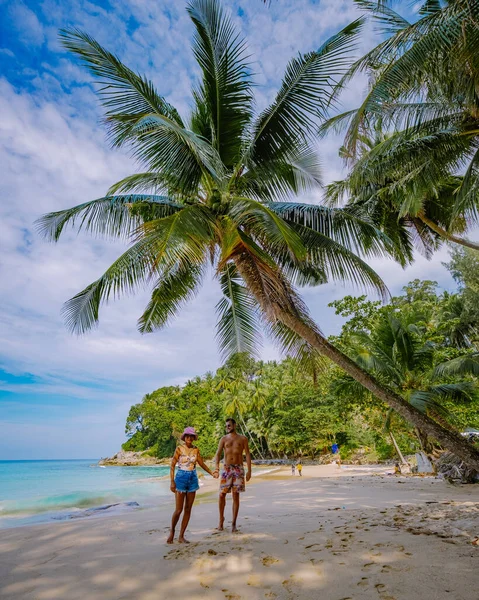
(25, 22)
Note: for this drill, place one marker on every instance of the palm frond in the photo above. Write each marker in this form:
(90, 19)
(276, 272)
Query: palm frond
(154, 182)
(376, 357)
(341, 225)
(303, 96)
(339, 263)
(125, 95)
(265, 224)
(111, 216)
(295, 173)
(460, 366)
(161, 246)
(165, 146)
(224, 98)
(425, 401)
(388, 20)
(172, 291)
(461, 390)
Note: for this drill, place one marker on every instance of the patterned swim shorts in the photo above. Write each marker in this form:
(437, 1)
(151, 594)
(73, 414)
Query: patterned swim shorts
(232, 478)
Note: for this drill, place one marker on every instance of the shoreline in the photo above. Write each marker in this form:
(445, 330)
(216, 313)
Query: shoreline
(333, 533)
(105, 503)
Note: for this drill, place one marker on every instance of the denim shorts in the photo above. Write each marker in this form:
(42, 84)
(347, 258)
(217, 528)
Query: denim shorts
(186, 481)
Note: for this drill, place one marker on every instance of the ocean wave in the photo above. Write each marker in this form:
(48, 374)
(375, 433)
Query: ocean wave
(51, 503)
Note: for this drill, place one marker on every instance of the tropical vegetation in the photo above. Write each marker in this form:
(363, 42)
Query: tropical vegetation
(284, 409)
(418, 173)
(219, 195)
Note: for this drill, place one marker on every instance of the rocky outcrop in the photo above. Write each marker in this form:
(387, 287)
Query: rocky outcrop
(132, 459)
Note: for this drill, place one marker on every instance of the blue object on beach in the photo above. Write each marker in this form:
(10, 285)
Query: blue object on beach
(335, 448)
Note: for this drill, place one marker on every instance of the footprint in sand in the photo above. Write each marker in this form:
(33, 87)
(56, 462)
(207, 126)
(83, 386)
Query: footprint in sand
(386, 569)
(206, 581)
(364, 582)
(269, 560)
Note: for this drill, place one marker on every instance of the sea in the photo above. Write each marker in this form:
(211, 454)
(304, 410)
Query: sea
(41, 491)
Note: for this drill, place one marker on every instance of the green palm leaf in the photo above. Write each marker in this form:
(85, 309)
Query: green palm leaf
(112, 216)
(425, 401)
(224, 99)
(279, 179)
(125, 95)
(460, 366)
(161, 246)
(266, 225)
(338, 263)
(170, 294)
(341, 225)
(302, 97)
(165, 146)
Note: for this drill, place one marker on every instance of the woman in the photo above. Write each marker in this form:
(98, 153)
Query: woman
(185, 484)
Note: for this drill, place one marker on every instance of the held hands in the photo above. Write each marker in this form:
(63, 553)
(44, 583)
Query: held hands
(216, 474)
(248, 475)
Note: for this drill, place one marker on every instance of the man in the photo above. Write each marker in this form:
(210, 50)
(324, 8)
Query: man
(337, 456)
(232, 476)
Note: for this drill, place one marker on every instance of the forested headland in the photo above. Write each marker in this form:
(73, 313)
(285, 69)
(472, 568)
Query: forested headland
(422, 344)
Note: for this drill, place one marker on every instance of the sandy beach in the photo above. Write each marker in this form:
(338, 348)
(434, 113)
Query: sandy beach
(352, 534)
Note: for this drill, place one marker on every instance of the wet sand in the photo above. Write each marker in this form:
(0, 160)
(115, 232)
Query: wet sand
(348, 534)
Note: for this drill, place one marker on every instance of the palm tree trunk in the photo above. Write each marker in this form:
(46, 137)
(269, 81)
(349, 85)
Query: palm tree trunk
(246, 430)
(398, 450)
(449, 439)
(447, 236)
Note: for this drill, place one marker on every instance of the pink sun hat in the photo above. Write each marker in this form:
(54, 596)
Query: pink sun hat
(189, 431)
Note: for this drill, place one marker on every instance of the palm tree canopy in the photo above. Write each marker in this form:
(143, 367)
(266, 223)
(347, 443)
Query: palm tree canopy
(425, 77)
(411, 214)
(399, 353)
(216, 189)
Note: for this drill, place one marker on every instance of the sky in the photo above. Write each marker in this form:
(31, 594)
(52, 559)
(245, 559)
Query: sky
(63, 396)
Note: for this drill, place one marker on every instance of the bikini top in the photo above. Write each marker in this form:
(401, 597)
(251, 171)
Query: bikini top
(187, 458)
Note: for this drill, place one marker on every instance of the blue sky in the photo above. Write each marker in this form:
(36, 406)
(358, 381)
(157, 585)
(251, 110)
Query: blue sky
(68, 397)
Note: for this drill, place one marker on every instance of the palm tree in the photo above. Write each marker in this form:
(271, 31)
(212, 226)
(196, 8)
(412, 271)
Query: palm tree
(213, 193)
(425, 78)
(397, 352)
(409, 215)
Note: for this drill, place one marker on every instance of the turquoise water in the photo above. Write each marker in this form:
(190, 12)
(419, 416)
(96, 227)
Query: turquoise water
(51, 490)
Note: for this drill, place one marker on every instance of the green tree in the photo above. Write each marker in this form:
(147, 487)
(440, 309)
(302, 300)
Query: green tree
(410, 214)
(424, 86)
(408, 345)
(218, 183)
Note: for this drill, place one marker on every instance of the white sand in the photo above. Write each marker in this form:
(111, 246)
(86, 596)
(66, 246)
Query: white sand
(395, 539)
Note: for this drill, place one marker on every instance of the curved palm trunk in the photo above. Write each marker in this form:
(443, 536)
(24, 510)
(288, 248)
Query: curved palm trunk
(448, 236)
(247, 431)
(398, 450)
(449, 439)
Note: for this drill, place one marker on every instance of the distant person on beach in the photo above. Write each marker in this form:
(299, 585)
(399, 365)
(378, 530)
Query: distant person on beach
(185, 484)
(300, 469)
(337, 456)
(232, 476)
(293, 468)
